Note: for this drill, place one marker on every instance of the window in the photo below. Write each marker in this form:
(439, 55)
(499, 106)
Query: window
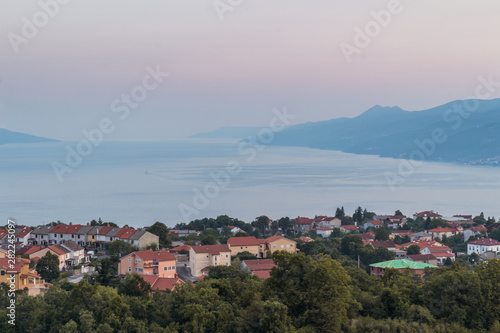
(227, 264)
(227, 255)
(129, 269)
(288, 246)
(41, 237)
(72, 236)
(60, 235)
(166, 268)
(78, 236)
(282, 246)
(2, 273)
(129, 259)
(274, 246)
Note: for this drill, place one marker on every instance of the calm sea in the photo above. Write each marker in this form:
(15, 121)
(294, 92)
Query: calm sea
(138, 183)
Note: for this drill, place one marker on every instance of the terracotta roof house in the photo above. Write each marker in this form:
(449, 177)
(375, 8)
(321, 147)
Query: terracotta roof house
(373, 224)
(242, 244)
(483, 245)
(159, 263)
(160, 283)
(440, 232)
(474, 232)
(204, 256)
(63, 233)
(22, 235)
(259, 267)
(416, 268)
(178, 249)
(391, 246)
(426, 214)
(424, 258)
(324, 232)
(348, 228)
(306, 239)
(304, 224)
(24, 276)
(277, 243)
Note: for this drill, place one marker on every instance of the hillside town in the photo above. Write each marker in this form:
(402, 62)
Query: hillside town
(184, 254)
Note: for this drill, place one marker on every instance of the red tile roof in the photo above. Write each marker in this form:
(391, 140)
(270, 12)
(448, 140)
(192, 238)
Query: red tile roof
(154, 255)
(125, 233)
(422, 257)
(65, 229)
(180, 248)
(376, 222)
(263, 274)
(212, 249)
(427, 213)
(386, 244)
(244, 241)
(349, 227)
(27, 250)
(257, 264)
(4, 263)
(57, 249)
(485, 241)
(304, 221)
(160, 283)
(104, 230)
(25, 231)
(3, 233)
(273, 239)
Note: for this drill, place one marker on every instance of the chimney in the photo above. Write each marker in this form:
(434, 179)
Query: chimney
(71, 223)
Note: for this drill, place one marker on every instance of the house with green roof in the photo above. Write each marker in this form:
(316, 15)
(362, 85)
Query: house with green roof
(416, 268)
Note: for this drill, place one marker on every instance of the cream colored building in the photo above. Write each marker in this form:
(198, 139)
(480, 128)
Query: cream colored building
(242, 244)
(280, 243)
(202, 257)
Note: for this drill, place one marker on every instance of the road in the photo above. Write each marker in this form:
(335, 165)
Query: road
(183, 273)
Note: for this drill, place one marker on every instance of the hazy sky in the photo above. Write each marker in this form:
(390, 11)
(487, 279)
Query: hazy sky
(264, 54)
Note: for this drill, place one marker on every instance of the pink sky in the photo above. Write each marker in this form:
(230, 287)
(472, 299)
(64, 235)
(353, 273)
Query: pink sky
(264, 54)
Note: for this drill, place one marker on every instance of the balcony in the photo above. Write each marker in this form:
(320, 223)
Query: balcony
(150, 263)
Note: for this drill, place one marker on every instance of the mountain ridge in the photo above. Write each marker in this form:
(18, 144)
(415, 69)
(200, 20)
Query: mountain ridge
(11, 137)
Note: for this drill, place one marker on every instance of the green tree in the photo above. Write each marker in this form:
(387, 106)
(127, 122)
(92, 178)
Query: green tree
(316, 291)
(120, 248)
(398, 213)
(413, 249)
(48, 267)
(264, 317)
(382, 234)
(208, 240)
(160, 229)
(262, 223)
(134, 285)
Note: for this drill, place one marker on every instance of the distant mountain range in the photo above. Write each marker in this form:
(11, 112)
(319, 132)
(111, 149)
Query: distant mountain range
(447, 133)
(7, 137)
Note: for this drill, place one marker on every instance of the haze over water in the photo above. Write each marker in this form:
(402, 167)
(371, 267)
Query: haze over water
(138, 183)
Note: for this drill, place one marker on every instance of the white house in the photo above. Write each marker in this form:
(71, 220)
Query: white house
(373, 224)
(483, 245)
(324, 232)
